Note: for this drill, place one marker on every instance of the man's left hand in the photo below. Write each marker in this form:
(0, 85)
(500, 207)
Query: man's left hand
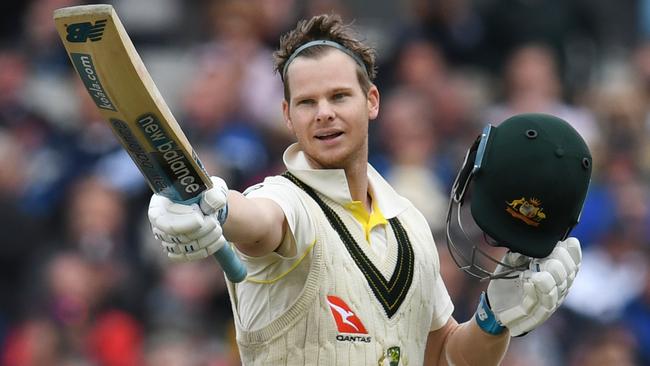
(524, 303)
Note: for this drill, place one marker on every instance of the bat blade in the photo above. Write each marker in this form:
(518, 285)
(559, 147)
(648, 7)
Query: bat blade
(127, 98)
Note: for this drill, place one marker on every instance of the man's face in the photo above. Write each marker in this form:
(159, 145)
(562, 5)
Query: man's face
(328, 112)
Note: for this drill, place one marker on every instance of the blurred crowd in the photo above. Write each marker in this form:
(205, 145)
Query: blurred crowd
(82, 281)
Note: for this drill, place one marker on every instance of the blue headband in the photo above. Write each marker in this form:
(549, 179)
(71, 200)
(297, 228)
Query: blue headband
(321, 42)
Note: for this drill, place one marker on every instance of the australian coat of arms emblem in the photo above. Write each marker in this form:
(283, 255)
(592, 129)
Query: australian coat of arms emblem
(529, 211)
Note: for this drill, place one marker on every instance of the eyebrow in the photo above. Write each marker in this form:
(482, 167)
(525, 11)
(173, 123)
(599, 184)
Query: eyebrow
(341, 89)
(334, 90)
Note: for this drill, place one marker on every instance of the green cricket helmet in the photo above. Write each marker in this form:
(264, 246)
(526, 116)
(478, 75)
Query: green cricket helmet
(526, 181)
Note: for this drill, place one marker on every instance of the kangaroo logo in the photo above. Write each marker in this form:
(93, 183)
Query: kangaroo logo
(81, 32)
(346, 320)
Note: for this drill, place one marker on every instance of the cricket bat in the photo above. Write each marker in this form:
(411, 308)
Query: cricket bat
(118, 82)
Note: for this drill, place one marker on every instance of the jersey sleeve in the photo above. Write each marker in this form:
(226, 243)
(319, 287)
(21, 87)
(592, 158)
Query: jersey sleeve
(275, 280)
(299, 238)
(443, 306)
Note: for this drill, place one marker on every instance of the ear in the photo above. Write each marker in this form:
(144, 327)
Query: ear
(373, 102)
(285, 114)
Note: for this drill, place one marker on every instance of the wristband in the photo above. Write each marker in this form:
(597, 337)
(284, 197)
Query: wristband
(485, 317)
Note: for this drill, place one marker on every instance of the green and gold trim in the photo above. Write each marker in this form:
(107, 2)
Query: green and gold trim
(391, 293)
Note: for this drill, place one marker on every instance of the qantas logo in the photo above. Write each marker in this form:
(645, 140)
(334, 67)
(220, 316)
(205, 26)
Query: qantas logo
(346, 321)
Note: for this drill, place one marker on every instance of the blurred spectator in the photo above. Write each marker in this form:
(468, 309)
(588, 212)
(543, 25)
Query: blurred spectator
(95, 225)
(636, 318)
(31, 131)
(96, 221)
(619, 105)
(191, 304)
(315, 7)
(407, 132)
(184, 296)
(617, 265)
(532, 84)
(235, 30)
(41, 40)
(35, 136)
(277, 16)
(19, 228)
(605, 346)
(47, 89)
(512, 23)
(35, 342)
(455, 25)
(91, 148)
(598, 214)
(175, 349)
(454, 99)
(640, 79)
(75, 313)
(214, 119)
(211, 99)
(420, 65)
(9, 22)
(155, 21)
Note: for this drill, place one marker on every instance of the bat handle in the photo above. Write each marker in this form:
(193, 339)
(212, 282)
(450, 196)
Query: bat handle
(231, 264)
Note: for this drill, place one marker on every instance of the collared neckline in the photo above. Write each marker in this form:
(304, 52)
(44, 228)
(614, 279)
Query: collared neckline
(368, 220)
(333, 184)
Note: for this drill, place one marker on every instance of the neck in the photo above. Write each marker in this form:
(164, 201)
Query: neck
(356, 173)
(357, 178)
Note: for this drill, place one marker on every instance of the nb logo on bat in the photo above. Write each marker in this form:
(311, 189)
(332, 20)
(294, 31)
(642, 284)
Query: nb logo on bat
(81, 32)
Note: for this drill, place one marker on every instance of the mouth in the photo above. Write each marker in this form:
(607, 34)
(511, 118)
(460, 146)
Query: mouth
(328, 135)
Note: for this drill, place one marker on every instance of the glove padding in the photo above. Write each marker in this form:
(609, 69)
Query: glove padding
(524, 303)
(185, 231)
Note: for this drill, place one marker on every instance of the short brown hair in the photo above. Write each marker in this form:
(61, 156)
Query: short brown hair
(325, 27)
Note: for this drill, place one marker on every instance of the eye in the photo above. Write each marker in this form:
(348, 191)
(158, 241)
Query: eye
(305, 102)
(339, 96)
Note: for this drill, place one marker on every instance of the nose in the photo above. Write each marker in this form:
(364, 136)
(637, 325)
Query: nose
(325, 112)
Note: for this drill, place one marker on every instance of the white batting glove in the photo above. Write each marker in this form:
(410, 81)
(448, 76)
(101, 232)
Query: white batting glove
(524, 303)
(186, 231)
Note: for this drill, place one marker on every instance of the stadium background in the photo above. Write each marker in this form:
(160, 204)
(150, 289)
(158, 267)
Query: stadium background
(82, 282)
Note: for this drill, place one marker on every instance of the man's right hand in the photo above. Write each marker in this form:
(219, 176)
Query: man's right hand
(185, 231)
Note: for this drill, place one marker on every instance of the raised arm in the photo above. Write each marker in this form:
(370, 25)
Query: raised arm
(465, 344)
(255, 225)
(511, 307)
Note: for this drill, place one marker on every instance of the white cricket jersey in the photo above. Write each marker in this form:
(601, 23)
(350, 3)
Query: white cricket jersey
(345, 297)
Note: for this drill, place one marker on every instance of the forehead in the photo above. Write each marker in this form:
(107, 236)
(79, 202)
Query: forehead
(330, 70)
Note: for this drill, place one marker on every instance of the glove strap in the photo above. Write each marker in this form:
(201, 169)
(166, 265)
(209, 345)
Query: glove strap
(485, 317)
(222, 214)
